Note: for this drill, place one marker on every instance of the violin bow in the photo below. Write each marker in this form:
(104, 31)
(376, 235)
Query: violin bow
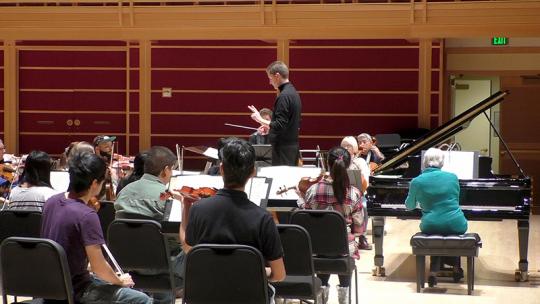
(113, 260)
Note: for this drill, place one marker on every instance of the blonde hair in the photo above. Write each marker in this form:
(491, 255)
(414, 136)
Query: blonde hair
(350, 141)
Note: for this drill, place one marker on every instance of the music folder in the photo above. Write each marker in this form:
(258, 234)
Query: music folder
(263, 153)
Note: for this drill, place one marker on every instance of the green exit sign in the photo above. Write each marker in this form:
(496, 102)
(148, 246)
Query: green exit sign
(499, 40)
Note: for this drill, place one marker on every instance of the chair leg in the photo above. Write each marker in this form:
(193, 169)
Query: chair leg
(4, 299)
(356, 284)
(420, 272)
(470, 274)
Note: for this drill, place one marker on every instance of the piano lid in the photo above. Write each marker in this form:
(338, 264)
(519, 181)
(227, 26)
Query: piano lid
(442, 133)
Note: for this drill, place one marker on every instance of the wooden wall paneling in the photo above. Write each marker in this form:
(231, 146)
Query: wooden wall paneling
(424, 84)
(2, 87)
(145, 88)
(520, 112)
(11, 101)
(212, 83)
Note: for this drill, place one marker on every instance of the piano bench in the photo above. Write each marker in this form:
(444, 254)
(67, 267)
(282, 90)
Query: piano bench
(424, 245)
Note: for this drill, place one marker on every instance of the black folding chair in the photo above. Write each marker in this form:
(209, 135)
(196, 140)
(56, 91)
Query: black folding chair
(300, 282)
(19, 223)
(106, 214)
(328, 232)
(33, 267)
(218, 273)
(140, 247)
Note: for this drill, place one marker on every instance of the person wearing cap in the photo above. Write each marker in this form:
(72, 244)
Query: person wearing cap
(103, 146)
(368, 150)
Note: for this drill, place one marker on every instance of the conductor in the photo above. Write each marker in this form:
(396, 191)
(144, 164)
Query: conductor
(284, 126)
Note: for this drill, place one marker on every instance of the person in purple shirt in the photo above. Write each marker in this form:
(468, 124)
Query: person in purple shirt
(68, 220)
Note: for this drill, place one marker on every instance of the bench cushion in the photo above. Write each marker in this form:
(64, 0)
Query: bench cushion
(436, 241)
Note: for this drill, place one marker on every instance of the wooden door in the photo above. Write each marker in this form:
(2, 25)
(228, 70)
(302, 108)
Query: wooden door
(520, 128)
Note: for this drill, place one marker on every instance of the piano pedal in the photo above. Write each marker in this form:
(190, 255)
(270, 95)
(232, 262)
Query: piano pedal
(378, 271)
(521, 276)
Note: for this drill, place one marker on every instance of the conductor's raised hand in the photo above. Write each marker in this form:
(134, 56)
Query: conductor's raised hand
(255, 115)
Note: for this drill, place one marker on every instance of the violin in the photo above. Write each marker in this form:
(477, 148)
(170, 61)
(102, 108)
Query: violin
(192, 193)
(7, 172)
(94, 203)
(303, 184)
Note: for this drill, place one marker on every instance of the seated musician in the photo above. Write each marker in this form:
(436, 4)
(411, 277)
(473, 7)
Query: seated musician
(368, 150)
(437, 192)
(229, 217)
(143, 197)
(68, 220)
(136, 174)
(103, 145)
(34, 183)
(336, 193)
(358, 163)
(260, 137)
(73, 149)
(5, 183)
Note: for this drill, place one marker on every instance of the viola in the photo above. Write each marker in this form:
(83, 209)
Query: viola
(7, 172)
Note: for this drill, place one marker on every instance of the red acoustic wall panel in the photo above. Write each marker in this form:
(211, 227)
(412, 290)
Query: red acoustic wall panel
(211, 101)
(210, 80)
(1, 87)
(206, 58)
(73, 90)
(400, 103)
(354, 80)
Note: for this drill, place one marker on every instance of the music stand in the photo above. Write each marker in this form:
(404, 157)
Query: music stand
(263, 154)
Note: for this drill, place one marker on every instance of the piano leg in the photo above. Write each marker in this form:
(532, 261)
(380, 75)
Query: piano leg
(377, 226)
(522, 273)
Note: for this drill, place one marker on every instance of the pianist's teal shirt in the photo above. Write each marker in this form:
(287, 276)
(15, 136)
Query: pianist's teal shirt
(438, 194)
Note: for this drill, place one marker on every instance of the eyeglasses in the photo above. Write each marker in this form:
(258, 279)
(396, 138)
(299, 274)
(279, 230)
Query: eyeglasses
(2, 148)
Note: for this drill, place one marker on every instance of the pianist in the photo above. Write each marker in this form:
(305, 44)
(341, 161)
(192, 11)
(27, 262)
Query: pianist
(437, 193)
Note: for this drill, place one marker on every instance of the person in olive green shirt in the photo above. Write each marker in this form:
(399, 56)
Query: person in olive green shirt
(142, 197)
(437, 193)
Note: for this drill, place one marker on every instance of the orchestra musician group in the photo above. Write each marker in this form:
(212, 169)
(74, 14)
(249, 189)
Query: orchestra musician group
(70, 217)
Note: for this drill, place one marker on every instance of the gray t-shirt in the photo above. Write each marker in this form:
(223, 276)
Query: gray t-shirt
(31, 198)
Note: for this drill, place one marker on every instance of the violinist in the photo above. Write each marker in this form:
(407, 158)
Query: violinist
(143, 198)
(336, 193)
(369, 151)
(229, 217)
(69, 221)
(34, 183)
(260, 137)
(103, 147)
(136, 174)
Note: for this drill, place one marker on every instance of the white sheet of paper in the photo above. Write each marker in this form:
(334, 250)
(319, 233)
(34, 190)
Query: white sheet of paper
(176, 211)
(211, 152)
(60, 180)
(285, 177)
(256, 189)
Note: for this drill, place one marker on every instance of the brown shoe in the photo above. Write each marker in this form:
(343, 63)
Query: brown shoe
(363, 243)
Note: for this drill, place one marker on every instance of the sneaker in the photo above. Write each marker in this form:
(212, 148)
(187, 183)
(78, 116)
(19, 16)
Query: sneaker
(363, 243)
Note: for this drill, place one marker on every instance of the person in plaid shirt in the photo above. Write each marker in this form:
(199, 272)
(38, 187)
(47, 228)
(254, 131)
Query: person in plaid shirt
(335, 193)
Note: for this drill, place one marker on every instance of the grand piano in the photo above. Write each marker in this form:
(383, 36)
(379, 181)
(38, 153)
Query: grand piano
(487, 198)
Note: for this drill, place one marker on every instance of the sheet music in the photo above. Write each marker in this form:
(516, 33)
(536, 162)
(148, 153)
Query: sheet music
(286, 176)
(60, 180)
(211, 152)
(257, 189)
(176, 211)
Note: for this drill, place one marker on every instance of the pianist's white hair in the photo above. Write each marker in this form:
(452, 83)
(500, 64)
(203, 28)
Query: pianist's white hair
(350, 141)
(433, 157)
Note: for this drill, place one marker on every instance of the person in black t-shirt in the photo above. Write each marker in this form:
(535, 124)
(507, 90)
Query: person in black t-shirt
(229, 217)
(260, 137)
(285, 123)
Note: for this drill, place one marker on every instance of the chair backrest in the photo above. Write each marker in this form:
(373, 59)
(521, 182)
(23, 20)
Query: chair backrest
(22, 223)
(327, 229)
(297, 250)
(106, 215)
(225, 274)
(140, 247)
(34, 267)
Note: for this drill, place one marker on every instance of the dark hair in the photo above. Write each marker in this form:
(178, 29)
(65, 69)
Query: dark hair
(84, 168)
(339, 160)
(159, 157)
(138, 170)
(37, 169)
(238, 160)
